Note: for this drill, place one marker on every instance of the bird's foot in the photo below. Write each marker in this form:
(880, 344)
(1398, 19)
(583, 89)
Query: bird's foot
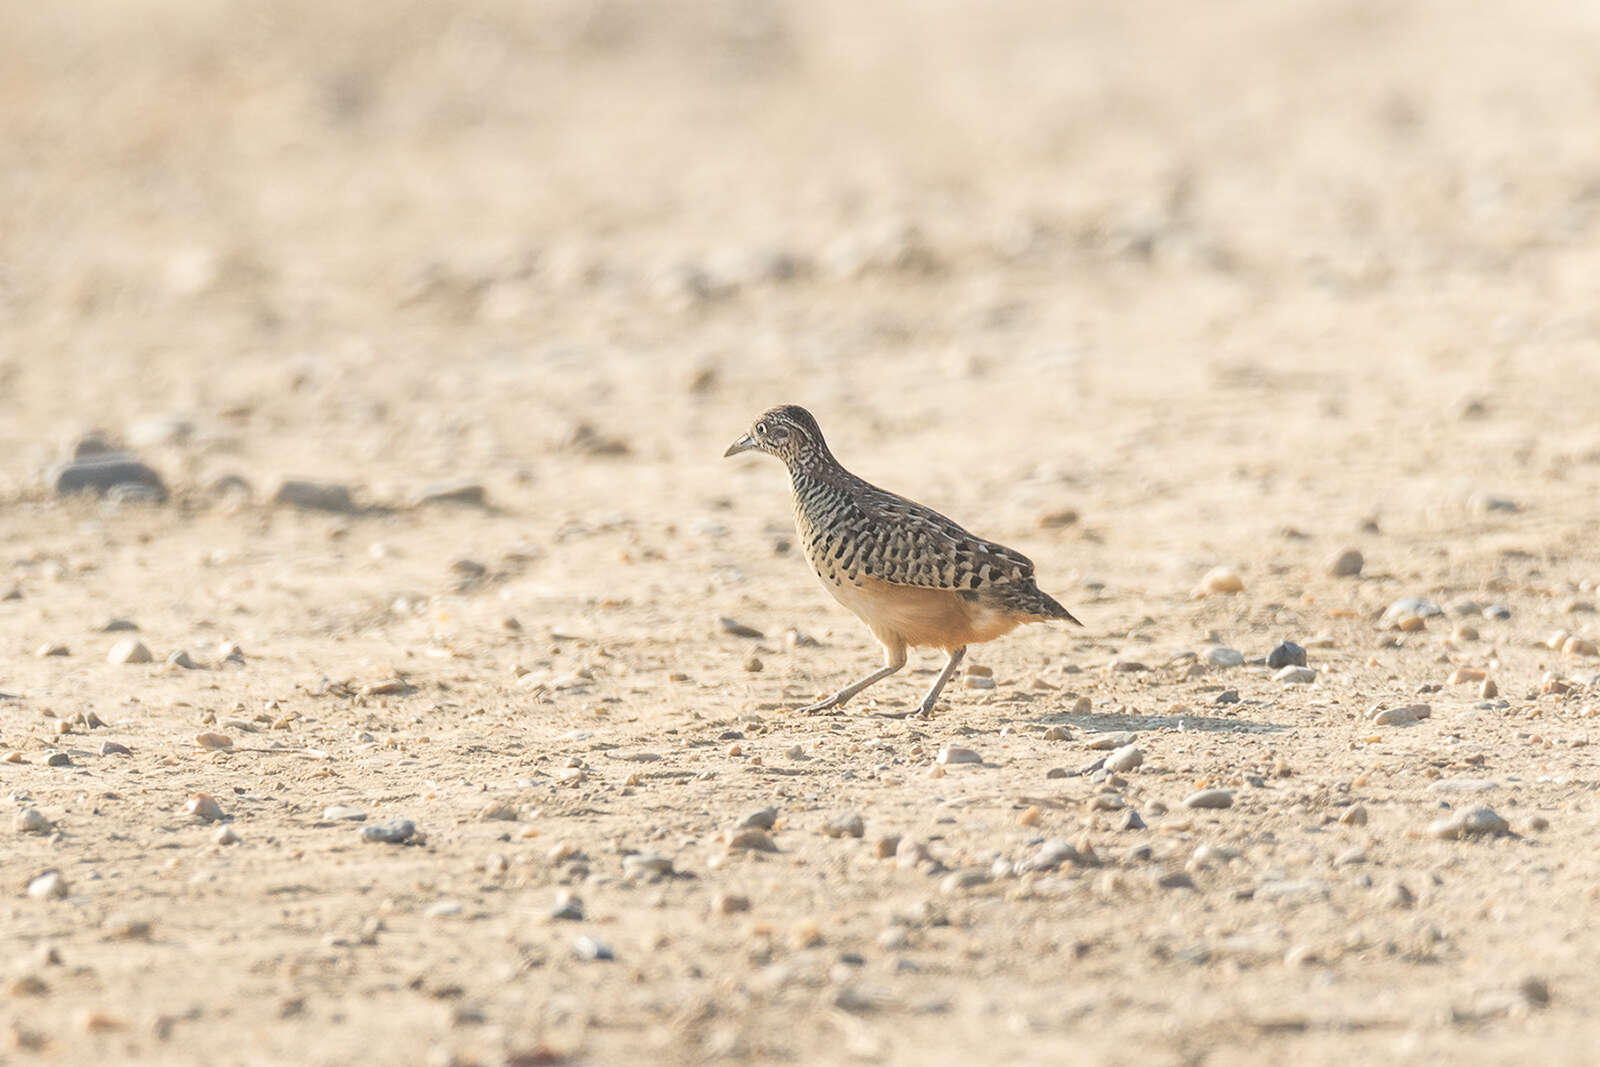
(924, 712)
(829, 706)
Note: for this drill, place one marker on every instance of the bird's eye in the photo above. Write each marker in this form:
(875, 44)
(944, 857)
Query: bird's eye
(761, 429)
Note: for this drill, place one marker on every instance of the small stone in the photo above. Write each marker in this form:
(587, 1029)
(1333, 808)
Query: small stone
(1464, 633)
(58, 759)
(499, 811)
(568, 907)
(51, 885)
(587, 948)
(647, 865)
(1110, 741)
(1486, 503)
(885, 846)
(1350, 857)
(738, 629)
(979, 681)
(1125, 666)
(107, 471)
(1473, 822)
(1538, 824)
(1124, 759)
(1355, 815)
(129, 650)
(1107, 802)
(225, 835)
(454, 493)
(753, 665)
(730, 903)
(1465, 674)
(1287, 654)
(1346, 563)
(1295, 676)
(314, 496)
(1175, 880)
(957, 881)
(181, 659)
(752, 839)
(951, 754)
(1223, 657)
(1579, 646)
(1209, 798)
(1395, 616)
(112, 626)
(1397, 895)
(391, 832)
(211, 740)
(849, 824)
(1057, 733)
(343, 813)
(50, 648)
(796, 752)
(1131, 821)
(114, 748)
(1498, 612)
(910, 853)
(1219, 580)
(1227, 696)
(1488, 690)
(32, 821)
(1057, 772)
(763, 819)
(1403, 716)
(204, 807)
(1052, 854)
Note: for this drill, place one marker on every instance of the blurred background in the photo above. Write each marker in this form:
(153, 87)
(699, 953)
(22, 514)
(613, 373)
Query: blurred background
(402, 240)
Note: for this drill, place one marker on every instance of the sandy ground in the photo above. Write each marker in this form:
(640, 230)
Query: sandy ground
(1139, 289)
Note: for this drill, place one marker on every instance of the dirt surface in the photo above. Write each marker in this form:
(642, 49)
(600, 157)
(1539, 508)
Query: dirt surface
(1139, 289)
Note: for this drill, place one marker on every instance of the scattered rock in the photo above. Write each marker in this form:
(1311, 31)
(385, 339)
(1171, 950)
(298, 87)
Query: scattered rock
(32, 821)
(763, 819)
(956, 754)
(1131, 821)
(1219, 580)
(129, 650)
(739, 629)
(343, 813)
(1296, 676)
(181, 659)
(314, 496)
(1209, 798)
(1355, 815)
(849, 824)
(50, 648)
(730, 903)
(751, 839)
(50, 885)
(1403, 716)
(391, 832)
(204, 806)
(212, 740)
(1223, 657)
(1124, 759)
(1346, 563)
(1057, 733)
(647, 866)
(567, 908)
(104, 472)
(1472, 822)
(225, 835)
(587, 948)
(1227, 696)
(1110, 741)
(958, 881)
(58, 759)
(1395, 616)
(454, 493)
(114, 748)
(1052, 854)
(1174, 880)
(1287, 654)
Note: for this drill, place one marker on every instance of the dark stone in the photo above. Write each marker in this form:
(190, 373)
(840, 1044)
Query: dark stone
(103, 472)
(1287, 654)
(315, 496)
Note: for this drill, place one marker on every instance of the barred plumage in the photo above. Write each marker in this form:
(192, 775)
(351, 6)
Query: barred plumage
(914, 576)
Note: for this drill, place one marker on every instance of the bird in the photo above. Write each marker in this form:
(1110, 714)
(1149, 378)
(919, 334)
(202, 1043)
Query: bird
(915, 577)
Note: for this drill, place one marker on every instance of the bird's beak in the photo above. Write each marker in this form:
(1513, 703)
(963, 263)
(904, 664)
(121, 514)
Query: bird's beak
(743, 444)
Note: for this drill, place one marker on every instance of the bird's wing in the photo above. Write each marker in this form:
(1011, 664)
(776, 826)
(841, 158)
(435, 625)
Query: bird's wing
(908, 544)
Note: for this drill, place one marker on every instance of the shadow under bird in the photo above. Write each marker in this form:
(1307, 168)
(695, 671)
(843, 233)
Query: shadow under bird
(916, 578)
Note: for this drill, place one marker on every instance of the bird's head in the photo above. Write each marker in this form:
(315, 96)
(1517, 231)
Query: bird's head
(788, 432)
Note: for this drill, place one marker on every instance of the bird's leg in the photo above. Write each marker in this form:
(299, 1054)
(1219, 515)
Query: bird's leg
(894, 658)
(925, 710)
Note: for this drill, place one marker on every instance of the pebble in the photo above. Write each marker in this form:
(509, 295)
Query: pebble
(1107, 802)
(1296, 676)
(114, 626)
(343, 813)
(1131, 821)
(129, 650)
(1346, 563)
(58, 759)
(1488, 690)
(210, 739)
(314, 496)
(568, 907)
(1472, 822)
(182, 659)
(1355, 815)
(956, 754)
(1580, 646)
(957, 881)
(1209, 798)
(1108, 742)
(752, 839)
(499, 811)
(587, 948)
(51, 885)
(647, 865)
(1499, 612)
(1057, 733)
(1053, 853)
(114, 748)
(1227, 696)
(1291, 889)
(1175, 880)
(979, 681)
(1403, 716)
(1125, 758)
(391, 832)
(910, 852)
(730, 903)
(1409, 607)
(1222, 657)
(738, 629)
(1219, 580)
(1287, 654)
(1463, 785)
(32, 821)
(225, 835)
(1351, 856)
(460, 493)
(49, 649)
(885, 846)
(849, 824)
(753, 665)
(1210, 854)
(1465, 674)
(107, 471)
(764, 819)
(204, 807)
